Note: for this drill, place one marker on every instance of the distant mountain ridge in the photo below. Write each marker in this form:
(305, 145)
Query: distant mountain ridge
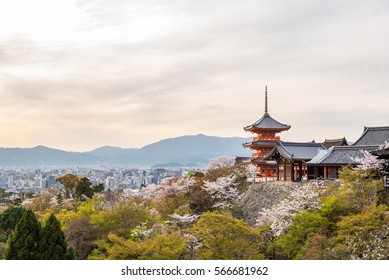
(184, 151)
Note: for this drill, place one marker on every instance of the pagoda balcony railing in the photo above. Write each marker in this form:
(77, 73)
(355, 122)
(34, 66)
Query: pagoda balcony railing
(259, 155)
(267, 138)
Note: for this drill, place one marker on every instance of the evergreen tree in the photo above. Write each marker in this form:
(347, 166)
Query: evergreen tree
(9, 219)
(83, 189)
(53, 244)
(98, 188)
(23, 243)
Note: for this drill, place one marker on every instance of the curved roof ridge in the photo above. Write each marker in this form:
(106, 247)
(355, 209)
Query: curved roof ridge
(376, 127)
(267, 122)
(314, 144)
(357, 147)
(373, 136)
(321, 155)
(283, 149)
(335, 140)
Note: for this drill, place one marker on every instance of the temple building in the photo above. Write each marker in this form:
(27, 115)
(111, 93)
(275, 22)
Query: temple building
(265, 130)
(297, 161)
(384, 154)
(328, 143)
(292, 158)
(326, 164)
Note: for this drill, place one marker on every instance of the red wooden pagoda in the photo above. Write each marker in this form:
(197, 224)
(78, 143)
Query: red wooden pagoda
(265, 129)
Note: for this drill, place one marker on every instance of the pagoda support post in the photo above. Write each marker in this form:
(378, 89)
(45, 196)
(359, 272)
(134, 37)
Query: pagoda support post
(284, 170)
(300, 171)
(292, 171)
(278, 171)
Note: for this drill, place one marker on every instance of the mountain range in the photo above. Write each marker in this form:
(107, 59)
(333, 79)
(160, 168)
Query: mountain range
(184, 151)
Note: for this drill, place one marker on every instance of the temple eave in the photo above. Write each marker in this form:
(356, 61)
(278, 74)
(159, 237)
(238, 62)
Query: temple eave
(260, 129)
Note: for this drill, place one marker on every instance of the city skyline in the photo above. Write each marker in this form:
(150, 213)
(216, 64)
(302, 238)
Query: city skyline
(78, 75)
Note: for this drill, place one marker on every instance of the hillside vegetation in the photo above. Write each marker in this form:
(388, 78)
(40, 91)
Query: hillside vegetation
(214, 214)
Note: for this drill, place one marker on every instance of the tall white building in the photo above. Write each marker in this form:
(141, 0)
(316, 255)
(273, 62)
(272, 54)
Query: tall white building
(111, 183)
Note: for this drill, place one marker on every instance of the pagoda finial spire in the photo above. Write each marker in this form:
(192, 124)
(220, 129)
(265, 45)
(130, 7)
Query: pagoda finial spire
(265, 99)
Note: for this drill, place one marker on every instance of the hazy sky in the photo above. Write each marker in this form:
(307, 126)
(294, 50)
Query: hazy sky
(77, 75)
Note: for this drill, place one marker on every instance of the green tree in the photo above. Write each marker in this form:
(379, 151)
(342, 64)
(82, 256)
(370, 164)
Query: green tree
(9, 219)
(23, 243)
(305, 225)
(171, 246)
(199, 200)
(3, 247)
(41, 202)
(116, 248)
(98, 188)
(52, 244)
(69, 181)
(226, 238)
(122, 219)
(318, 246)
(59, 198)
(360, 187)
(82, 236)
(363, 236)
(83, 189)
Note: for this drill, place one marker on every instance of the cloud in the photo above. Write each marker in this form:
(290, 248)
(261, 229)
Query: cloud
(131, 72)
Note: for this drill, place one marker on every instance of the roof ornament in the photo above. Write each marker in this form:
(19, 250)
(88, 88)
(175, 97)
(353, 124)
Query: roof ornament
(266, 113)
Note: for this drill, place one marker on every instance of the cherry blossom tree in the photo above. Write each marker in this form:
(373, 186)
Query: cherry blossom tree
(369, 161)
(223, 191)
(250, 169)
(168, 186)
(185, 219)
(373, 245)
(300, 197)
(220, 162)
(150, 191)
(171, 194)
(384, 146)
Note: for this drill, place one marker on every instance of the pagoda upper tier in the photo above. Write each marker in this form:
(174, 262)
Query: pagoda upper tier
(264, 141)
(266, 123)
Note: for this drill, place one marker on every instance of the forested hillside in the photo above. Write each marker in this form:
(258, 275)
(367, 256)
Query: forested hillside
(214, 214)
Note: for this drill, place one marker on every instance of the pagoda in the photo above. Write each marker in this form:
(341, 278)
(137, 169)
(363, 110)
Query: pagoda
(265, 130)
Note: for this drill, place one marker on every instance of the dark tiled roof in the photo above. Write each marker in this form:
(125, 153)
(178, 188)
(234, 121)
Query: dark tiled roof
(382, 154)
(242, 159)
(328, 143)
(296, 150)
(340, 155)
(267, 122)
(260, 143)
(373, 136)
(260, 160)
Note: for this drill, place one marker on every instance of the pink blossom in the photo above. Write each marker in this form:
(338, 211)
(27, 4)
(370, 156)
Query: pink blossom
(223, 191)
(300, 197)
(220, 162)
(369, 161)
(184, 219)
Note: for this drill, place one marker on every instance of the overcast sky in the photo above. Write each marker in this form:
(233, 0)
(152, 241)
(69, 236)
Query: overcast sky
(77, 75)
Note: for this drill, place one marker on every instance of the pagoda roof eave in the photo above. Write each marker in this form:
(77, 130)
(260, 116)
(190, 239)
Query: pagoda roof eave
(267, 123)
(259, 144)
(251, 128)
(295, 151)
